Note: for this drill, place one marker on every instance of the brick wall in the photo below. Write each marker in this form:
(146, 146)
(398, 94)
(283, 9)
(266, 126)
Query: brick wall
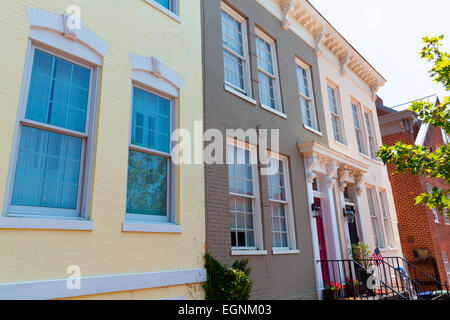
(275, 276)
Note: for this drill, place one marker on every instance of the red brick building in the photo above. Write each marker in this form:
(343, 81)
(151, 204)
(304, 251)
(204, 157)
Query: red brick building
(424, 233)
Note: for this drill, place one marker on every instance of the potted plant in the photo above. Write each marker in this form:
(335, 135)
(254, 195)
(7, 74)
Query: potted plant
(361, 254)
(331, 291)
(351, 287)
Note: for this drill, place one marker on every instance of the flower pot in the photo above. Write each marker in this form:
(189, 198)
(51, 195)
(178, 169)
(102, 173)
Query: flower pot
(352, 291)
(330, 294)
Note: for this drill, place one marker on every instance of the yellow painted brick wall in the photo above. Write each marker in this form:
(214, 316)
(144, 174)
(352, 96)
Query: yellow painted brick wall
(131, 26)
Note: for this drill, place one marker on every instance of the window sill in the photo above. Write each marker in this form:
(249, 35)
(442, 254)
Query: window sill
(274, 111)
(151, 227)
(164, 10)
(46, 224)
(284, 251)
(312, 130)
(248, 252)
(239, 94)
(364, 156)
(341, 144)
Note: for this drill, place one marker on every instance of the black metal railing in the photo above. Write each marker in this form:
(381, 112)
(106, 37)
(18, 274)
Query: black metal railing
(389, 278)
(359, 281)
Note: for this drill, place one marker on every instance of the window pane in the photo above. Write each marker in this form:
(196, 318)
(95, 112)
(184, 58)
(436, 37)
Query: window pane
(147, 184)
(151, 121)
(58, 93)
(164, 3)
(47, 170)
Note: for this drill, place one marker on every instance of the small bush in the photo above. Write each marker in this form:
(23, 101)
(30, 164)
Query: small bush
(227, 283)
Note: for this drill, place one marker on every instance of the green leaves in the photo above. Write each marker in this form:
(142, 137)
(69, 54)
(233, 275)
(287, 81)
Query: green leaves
(419, 159)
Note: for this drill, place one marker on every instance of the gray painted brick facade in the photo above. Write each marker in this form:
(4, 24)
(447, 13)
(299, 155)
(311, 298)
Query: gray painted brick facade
(275, 276)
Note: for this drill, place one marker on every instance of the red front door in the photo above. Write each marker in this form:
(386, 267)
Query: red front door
(322, 246)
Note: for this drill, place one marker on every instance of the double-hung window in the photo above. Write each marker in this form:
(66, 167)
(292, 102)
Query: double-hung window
(374, 217)
(54, 127)
(281, 215)
(359, 130)
(446, 264)
(386, 219)
(243, 189)
(306, 95)
(335, 109)
(446, 217)
(149, 161)
(269, 88)
(235, 51)
(371, 134)
(435, 213)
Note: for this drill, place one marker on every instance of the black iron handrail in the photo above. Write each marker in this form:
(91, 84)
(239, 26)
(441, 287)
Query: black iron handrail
(350, 261)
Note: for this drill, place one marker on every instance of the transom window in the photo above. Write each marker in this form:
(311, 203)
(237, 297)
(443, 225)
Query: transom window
(371, 134)
(306, 95)
(235, 52)
(242, 180)
(336, 120)
(267, 71)
(50, 163)
(149, 161)
(359, 130)
(374, 218)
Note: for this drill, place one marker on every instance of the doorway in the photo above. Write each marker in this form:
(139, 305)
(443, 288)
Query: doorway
(322, 245)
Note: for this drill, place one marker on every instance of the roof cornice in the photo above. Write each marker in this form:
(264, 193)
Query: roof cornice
(302, 14)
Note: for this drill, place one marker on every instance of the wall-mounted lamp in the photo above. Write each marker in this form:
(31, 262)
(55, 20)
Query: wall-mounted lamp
(349, 214)
(316, 211)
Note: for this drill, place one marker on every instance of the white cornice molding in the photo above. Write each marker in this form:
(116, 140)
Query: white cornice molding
(54, 289)
(307, 23)
(320, 151)
(51, 29)
(154, 73)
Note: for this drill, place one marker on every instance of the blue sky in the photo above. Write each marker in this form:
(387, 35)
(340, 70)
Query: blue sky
(387, 33)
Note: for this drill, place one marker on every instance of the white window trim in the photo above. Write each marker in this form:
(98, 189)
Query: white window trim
(435, 213)
(248, 252)
(231, 89)
(362, 128)
(276, 251)
(446, 263)
(368, 136)
(313, 110)
(131, 220)
(172, 13)
(276, 75)
(257, 218)
(378, 217)
(336, 90)
(246, 63)
(278, 113)
(44, 223)
(288, 202)
(383, 203)
(446, 217)
(84, 185)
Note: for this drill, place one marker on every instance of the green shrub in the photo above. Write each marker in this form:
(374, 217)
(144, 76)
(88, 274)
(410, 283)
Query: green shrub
(227, 282)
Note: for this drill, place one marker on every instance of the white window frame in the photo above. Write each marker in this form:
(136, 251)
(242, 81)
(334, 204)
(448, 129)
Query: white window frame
(435, 213)
(171, 167)
(290, 224)
(361, 130)
(256, 201)
(386, 217)
(338, 116)
(172, 11)
(446, 263)
(247, 91)
(370, 133)
(446, 218)
(315, 126)
(375, 218)
(87, 137)
(275, 76)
